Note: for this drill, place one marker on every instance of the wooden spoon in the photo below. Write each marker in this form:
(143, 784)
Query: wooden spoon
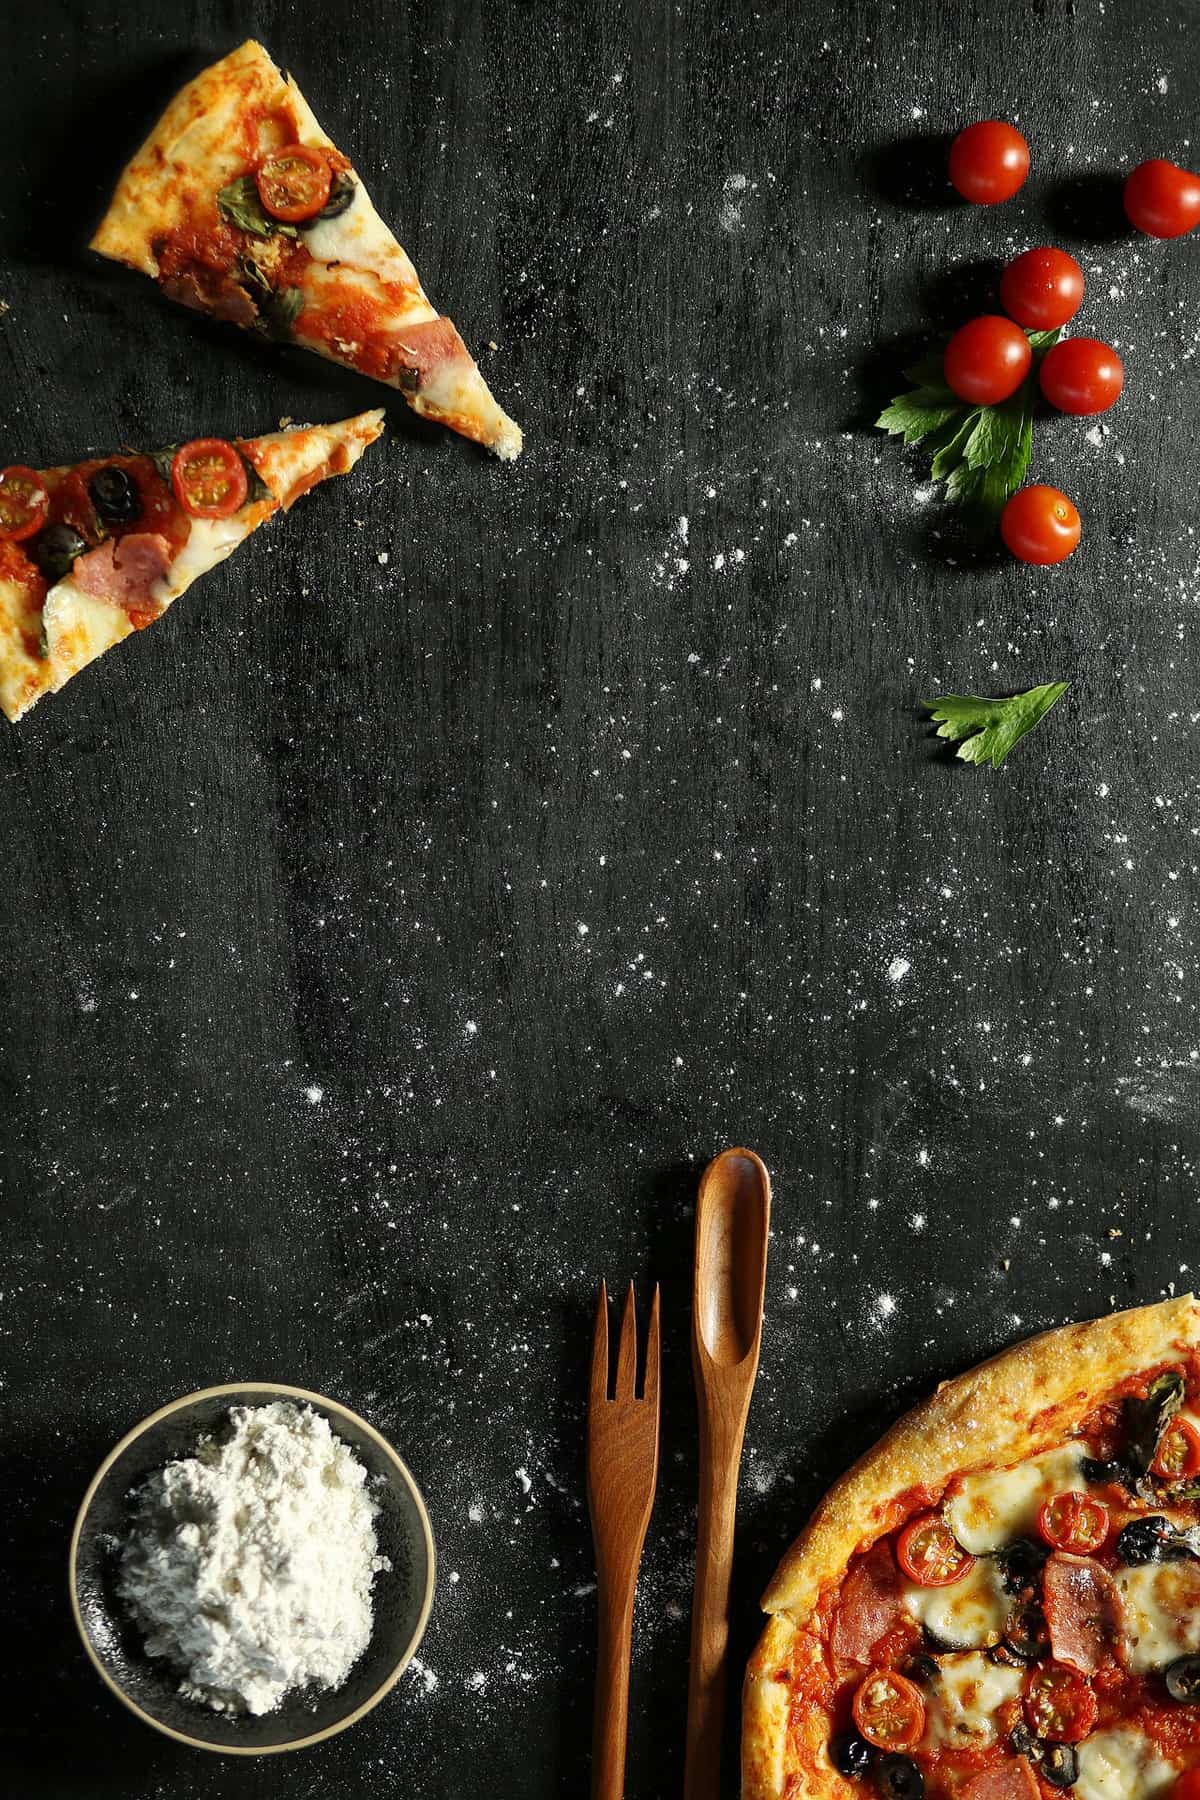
(732, 1218)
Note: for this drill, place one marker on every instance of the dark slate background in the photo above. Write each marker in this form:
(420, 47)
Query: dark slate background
(389, 943)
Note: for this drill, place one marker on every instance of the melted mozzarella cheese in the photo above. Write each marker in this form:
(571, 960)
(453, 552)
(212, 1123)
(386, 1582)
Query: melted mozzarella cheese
(209, 542)
(995, 1506)
(968, 1614)
(961, 1705)
(79, 628)
(1121, 1765)
(1160, 1605)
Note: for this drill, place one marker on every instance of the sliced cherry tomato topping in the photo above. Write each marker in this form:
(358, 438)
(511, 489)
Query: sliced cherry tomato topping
(1074, 1522)
(24, 503)
(988, 162)
(1161, 199)
(209, 478)
(987, 360)
(1082, 376)
(889, 1711)
(293, 183)
(930, 1554)
(1059, 1703)
(1178, 1455)
(1040, 525)
(1042, 288)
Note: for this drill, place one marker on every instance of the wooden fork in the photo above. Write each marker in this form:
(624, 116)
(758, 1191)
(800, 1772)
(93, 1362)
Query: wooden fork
(622, 1458)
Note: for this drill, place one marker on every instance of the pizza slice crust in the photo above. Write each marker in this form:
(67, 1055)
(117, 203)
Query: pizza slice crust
(1022, 1401)
(213, 130)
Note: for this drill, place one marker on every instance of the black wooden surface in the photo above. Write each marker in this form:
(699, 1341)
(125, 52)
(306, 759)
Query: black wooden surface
(390, 942)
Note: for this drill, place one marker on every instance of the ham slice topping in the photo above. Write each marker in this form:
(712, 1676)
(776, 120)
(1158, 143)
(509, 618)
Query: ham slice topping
(1082, 1611)
(123, 570)
(1010, 1781)
(869, 1607)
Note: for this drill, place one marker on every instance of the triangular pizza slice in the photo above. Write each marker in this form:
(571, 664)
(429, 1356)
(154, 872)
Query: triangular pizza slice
(241, 207)
(96, 550)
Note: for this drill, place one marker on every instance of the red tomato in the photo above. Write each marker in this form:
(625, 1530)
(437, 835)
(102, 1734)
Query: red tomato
(889, 1710)
(1074, 1522)
(293, 183)
(1178, 1455)
(1059, 1703)
(209, 478)
(929, 1553)
(1187, 1786)
(1082, 376)
(24, 503)
(1161, 199)
(1042, 289)
(989, 162)
(987, 360)
(1040, 525)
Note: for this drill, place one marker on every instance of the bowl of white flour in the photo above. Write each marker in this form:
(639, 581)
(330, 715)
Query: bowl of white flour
(252, 1568)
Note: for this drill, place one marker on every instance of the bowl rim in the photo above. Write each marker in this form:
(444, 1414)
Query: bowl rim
(232, 1390)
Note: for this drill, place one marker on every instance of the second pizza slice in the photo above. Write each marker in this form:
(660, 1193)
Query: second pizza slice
(91, 552)
(241, 207)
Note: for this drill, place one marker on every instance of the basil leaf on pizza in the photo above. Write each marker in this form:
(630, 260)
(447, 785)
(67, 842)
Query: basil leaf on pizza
(281, 238)
(1001, 1600)
(92, 552)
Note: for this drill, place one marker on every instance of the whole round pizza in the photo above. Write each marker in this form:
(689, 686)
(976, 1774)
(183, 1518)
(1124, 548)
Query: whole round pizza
(1001, 1600)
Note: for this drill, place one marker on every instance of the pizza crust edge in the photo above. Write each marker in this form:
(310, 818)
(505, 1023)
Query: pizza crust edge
(1012, 1406)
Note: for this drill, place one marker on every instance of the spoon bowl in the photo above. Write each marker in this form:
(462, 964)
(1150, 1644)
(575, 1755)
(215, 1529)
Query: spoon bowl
(732, 1216)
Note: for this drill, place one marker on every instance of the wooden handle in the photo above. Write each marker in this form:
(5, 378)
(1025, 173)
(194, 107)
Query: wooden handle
(612, 1690)
(722, 1427)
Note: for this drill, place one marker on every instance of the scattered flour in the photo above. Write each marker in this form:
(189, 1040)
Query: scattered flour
(249, 1565)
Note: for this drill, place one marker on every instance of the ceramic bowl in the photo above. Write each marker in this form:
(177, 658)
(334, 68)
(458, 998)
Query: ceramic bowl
(149, 1687)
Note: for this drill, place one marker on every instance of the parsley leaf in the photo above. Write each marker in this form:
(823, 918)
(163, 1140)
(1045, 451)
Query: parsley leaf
(981, 452)
(238, 202)
(986, 730)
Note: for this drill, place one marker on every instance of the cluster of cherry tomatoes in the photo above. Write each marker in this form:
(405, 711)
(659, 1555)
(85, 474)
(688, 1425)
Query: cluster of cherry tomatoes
(1042, 290)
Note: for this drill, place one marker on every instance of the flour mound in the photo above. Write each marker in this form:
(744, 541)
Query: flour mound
(249, 1565)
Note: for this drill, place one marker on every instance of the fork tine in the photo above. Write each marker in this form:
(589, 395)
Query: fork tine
(653, 1338)
(627, 1351)
(599, 1387)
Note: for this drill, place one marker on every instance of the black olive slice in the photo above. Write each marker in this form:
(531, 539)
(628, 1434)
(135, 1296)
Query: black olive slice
(1024, 1742)
(115, 495)
(1059, 1765)
(922, 1668)
(54, 550)
(1026, 1633)
(898, 1778)
(1150, 1540)
(341, 198)
(1183, 1679)
(851, 1754)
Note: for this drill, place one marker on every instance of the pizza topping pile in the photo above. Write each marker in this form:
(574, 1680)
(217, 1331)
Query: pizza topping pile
(1035, 1629)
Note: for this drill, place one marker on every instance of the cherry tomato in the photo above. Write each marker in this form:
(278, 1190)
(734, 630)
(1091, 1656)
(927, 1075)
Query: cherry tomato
(989, 162)
(293, 183)
(209, 478)
(987, 360)
(929, 1553)
(1040, 525)
(889, 1711)
(24, 503)
(1042, 289)
(1059, 1703)
(1161, 199)
(1187, 1786)
(1082, 376)
(1073, 1522)
(1178, 1455)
